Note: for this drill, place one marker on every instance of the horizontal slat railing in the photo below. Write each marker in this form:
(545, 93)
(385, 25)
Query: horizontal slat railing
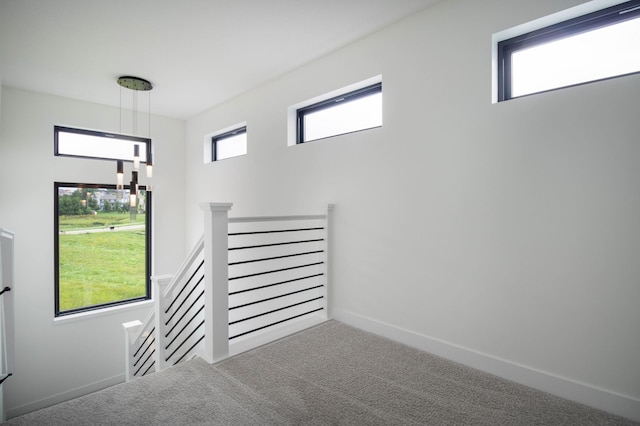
(277, 274)
(247, 281)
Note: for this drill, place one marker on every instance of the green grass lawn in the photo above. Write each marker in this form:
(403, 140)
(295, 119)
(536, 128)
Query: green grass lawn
(101, 267)
(100, 220)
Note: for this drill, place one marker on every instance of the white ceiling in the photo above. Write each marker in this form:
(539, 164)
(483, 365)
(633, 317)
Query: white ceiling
(196, 53)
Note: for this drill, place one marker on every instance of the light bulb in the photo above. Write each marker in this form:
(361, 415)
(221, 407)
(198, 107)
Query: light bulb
(136, 157)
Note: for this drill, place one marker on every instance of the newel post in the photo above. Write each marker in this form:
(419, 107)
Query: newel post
(131, 328)
(328, 261)
(216, 281)
(160, 284)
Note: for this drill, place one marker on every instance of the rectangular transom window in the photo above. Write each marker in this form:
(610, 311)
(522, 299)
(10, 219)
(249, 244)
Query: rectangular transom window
(70, 142)
(229, 144)
(596, 46)
(102, 247)
(346, 113)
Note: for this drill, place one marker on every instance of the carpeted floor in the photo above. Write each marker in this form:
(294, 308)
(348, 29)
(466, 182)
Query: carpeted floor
(330, 374)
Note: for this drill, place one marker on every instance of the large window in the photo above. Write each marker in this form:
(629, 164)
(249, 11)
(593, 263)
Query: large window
(102, 246)
(595, 46)
(345, 113)
(102, 233)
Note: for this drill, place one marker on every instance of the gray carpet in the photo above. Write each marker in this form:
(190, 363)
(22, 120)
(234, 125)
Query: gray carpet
(330, 374)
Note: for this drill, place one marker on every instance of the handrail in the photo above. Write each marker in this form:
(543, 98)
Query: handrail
(184, 267)
(240, 219)
(4, 290)
(277, 266)
(147, 320)
(6, 376)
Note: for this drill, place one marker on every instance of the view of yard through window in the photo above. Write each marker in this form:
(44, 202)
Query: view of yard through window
(101, 246)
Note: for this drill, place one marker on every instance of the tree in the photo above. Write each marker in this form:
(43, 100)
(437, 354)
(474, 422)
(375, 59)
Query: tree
(70, 204)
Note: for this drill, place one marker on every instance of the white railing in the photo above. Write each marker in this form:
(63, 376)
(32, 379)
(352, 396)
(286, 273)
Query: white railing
(173, 329)
(6, 312)
(278, 273)
(247, 282)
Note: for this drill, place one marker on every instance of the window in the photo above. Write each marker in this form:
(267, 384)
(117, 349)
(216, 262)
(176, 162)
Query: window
(595, 46)
(69, 142)
(229, 144)
(102, 247)
(345, 113)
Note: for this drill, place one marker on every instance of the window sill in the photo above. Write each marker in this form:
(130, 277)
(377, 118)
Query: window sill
(102, 312)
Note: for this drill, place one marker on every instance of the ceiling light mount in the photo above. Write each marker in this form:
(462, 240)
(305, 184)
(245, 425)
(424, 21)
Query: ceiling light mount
(135, 83)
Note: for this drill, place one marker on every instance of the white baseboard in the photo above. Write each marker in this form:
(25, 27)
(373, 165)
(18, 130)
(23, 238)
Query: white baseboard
(615, 403)
(64, 396)
(276, 333)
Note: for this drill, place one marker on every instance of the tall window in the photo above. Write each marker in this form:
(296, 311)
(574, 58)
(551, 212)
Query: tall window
(102, 247)
(348, 112)
(102, 232)
(595, 46)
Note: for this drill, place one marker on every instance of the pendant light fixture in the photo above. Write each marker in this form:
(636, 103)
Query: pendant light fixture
(135, 84)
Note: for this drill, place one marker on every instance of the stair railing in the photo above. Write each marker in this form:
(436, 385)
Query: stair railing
(278, 276)
(247, 282)
(7, 337)
(164, 337)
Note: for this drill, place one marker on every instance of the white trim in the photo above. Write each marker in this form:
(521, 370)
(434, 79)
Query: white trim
(102, 311)
(65, 396)
(252, 219)
(278, 332)
(616, 403)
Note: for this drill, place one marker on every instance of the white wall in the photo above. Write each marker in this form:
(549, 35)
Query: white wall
(504, 230)
(58, 361)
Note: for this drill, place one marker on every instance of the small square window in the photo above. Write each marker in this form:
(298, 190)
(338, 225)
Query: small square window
(229, 144)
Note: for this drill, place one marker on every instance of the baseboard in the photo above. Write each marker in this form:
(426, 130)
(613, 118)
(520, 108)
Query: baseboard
(615, 403)
(276, 333)
(64, 396)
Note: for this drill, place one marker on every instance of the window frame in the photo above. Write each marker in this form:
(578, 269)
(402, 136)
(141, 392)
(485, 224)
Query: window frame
(96, 133)
(581, 24)
(58, 313)
(222, 136)
(340, 99)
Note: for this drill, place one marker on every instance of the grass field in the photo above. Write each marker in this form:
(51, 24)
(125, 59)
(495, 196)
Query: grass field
(100, 267)
(101, 220)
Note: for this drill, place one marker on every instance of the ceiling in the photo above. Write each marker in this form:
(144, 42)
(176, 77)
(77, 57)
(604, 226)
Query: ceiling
(196, 53)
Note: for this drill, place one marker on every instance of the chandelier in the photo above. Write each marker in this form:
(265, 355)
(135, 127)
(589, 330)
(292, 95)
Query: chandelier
(135, 84)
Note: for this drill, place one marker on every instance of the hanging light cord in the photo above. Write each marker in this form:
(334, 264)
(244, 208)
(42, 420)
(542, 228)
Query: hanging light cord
(134, 118)
(120, 115)
(149, 115)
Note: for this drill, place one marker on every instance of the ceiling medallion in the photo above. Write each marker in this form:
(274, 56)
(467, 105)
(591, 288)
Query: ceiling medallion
(134, 83)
